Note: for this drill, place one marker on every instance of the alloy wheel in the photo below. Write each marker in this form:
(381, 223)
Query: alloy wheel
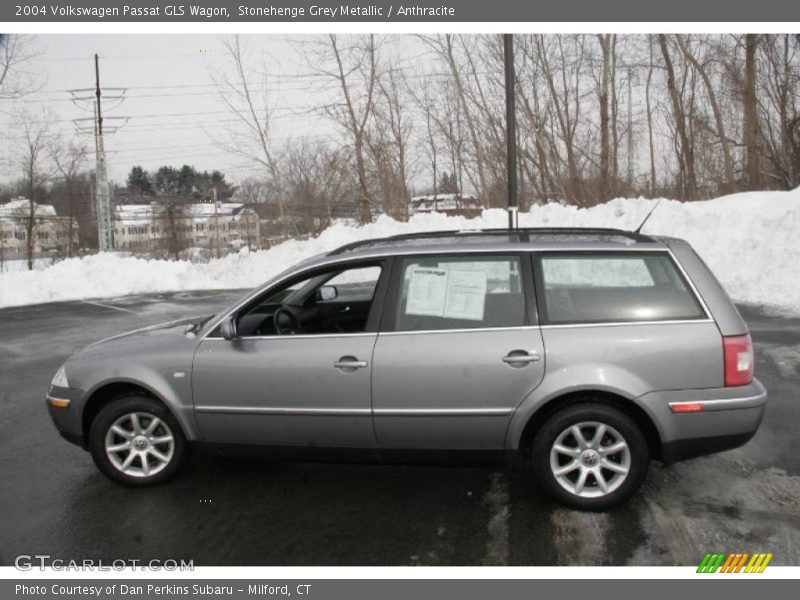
(139, 444)
(590, 459)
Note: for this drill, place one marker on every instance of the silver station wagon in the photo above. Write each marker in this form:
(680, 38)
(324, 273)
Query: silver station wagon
(580, 354)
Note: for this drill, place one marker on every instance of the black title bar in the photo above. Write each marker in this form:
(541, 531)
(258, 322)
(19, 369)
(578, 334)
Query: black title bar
(443, 11)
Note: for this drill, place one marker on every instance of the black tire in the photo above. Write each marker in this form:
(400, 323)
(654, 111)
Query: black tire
(636, 458)
(142, 405)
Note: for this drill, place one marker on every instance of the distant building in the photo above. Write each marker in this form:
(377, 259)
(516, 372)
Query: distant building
(51, 232)
(449, 204)
(209, 225)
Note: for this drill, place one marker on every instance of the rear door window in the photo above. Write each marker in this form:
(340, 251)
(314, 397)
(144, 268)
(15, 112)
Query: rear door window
(613, 287)
(460, 292)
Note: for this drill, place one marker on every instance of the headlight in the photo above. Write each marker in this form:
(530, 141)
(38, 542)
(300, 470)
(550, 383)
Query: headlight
(60, 378)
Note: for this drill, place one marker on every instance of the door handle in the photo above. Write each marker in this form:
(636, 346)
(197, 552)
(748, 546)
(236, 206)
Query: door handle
(521, 358)
(350, 363)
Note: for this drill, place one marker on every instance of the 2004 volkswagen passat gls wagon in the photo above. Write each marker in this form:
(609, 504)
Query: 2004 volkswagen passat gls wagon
(580, 354)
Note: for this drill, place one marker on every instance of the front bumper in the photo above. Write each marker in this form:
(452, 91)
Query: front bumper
(67, 419)
(729, 418)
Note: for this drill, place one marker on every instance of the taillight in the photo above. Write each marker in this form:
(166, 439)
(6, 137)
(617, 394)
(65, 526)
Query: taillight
(738, 360)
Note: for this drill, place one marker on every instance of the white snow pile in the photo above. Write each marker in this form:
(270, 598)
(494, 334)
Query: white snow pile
(751, 241)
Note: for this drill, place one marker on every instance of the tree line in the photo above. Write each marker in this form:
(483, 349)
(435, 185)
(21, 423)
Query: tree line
(599, 116)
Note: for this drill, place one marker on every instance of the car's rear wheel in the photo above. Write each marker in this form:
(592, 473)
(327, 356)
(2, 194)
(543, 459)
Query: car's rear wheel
(134, 440)
(590, 456)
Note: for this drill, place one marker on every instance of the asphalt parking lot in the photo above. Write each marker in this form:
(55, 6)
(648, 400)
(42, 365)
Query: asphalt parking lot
(228, 512)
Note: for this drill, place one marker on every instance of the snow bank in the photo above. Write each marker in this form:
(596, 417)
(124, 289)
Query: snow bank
(750, 240)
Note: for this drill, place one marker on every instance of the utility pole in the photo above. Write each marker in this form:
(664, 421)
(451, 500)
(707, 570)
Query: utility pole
(90, 98)
(217, 244)
(103, 208)
(511, 130)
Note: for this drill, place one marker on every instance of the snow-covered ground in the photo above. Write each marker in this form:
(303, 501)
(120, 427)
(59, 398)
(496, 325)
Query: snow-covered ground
(750, 240)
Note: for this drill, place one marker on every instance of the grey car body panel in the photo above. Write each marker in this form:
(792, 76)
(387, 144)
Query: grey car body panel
(744, 406)
(451, 389)
(444, 389)
(624, 360)
(156, 358)
(285, 390)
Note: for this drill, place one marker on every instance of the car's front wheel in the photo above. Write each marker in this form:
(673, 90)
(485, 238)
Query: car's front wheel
(134, 440)
(590, 456)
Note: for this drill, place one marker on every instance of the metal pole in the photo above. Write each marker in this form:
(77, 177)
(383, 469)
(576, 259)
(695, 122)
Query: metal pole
(511, 130)
(103, 203)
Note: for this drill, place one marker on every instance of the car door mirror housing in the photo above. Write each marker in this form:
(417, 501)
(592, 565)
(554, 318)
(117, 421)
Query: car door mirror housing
(228, 328)
(327, 292)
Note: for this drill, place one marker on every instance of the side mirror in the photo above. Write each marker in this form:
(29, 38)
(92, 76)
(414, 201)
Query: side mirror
(327, 292)
(228, 328)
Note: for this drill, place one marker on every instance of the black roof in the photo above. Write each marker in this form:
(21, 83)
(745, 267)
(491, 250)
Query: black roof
(520, 235)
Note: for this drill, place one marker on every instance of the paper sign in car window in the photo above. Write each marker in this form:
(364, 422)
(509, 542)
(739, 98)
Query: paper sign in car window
(427, 292)
(466, 295)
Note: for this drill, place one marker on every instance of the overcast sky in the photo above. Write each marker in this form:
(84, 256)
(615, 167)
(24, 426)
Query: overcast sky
(172, 111)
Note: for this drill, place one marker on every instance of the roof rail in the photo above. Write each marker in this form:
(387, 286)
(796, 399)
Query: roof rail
(522, 234)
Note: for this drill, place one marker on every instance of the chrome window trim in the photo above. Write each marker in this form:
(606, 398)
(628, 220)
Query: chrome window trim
(688, 280)
(519, 248)
(706, 318)
(627, 323)
(285, 411)
(290, 275)
(443, 412)
(356, 412)
(460, 330)
(302, 336)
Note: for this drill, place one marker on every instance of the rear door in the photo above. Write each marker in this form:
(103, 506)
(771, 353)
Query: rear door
(459, 350)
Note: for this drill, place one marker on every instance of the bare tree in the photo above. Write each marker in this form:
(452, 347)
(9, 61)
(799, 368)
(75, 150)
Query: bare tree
(357, 61)
(32, 160)
(649, 110)
(724, 141)
(685, 148)
(779, 106)
(750, 115)
(173, 222)
(603, 91)
(70, 160)
(389, 147)
(245, 93)
(15, 52)
(561, 65)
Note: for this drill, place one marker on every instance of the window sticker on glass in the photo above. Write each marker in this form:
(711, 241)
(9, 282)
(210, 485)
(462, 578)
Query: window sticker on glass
(450, 294)
(427, 292)
(466, 295)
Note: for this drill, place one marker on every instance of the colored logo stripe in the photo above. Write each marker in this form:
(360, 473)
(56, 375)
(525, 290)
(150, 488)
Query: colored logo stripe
(734, 562)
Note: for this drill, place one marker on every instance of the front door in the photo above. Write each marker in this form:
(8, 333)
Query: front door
(460, 353)
(298, 371)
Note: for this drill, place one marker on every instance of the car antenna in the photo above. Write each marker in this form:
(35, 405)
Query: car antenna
(652, 210)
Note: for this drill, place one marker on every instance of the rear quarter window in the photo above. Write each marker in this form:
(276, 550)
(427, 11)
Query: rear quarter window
(608, 288)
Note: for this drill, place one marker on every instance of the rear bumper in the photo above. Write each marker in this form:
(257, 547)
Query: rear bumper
(729, 418)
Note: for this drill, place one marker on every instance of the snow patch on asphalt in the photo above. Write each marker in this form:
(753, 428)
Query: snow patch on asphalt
(750, 240)
(718, 504)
